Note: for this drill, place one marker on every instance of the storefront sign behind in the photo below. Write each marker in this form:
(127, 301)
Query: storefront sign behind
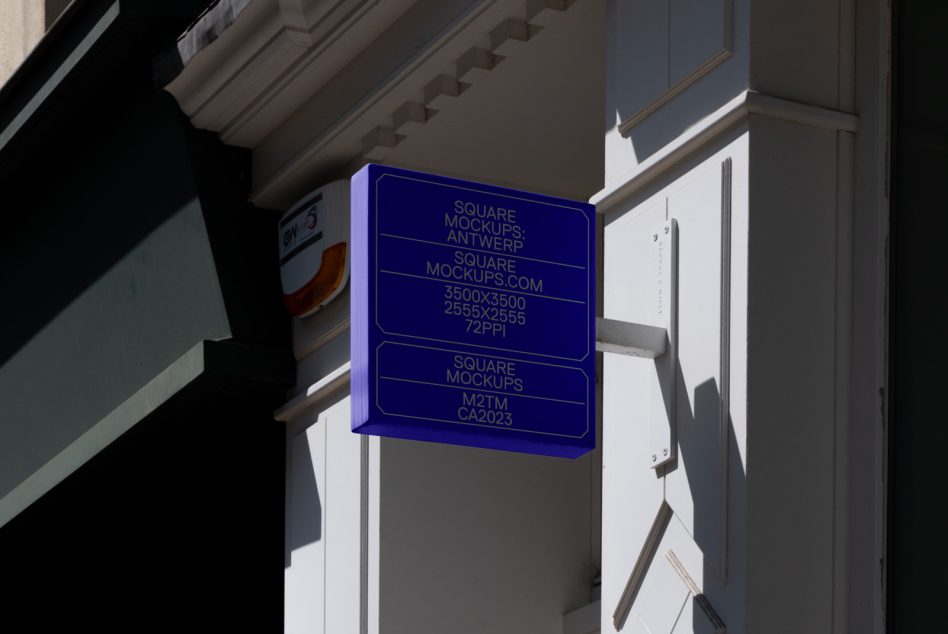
(473, 314)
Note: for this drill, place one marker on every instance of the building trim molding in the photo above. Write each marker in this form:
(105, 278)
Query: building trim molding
(745, 104)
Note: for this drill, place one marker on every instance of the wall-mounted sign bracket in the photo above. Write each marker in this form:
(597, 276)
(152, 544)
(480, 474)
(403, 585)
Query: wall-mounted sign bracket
(634, 340)
(654, 342)
(663, 387)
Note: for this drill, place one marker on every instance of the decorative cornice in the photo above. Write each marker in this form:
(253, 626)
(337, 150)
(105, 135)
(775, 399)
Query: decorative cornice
(271, 48)
(318, 85)
(499, 39)
(745, 104)
(798, 112)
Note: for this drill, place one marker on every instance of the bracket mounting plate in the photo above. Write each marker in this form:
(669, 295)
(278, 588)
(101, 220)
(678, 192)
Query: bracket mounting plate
(662, 388)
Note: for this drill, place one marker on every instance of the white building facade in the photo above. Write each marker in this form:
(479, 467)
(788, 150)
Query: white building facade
(760, 128)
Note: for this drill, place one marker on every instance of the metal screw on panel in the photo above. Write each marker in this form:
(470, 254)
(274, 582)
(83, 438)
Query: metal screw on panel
(666, 229)
(654, 458)
(664, 452)
(654, 237)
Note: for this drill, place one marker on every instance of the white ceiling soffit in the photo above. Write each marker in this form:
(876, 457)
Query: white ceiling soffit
(318, 87)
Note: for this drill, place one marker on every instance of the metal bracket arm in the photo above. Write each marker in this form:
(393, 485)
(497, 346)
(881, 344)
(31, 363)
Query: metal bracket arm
(636, 340)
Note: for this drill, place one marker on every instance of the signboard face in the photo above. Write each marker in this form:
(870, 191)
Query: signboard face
(473, 314)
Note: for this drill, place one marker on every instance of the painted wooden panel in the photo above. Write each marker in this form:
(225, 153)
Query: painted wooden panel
(632, 491)
(323, 510)
(695, 487)
(641, 53)
(664, 602)
(700, 35)
(793, 364)
(342, 507)
(703, 487)
(662, 47)
(304, 577)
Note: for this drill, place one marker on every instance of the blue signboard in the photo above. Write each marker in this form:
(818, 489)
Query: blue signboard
(473, 314)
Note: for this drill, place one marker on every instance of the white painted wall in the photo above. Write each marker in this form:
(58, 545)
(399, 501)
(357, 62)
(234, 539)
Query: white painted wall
(756, 514)
(672, 65)
(323, 518)
(704, 487)
(762, 500)
(460, 540)
(481, 541)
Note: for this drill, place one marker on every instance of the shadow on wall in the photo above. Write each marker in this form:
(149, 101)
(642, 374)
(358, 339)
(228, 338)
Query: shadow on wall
(712, 529)
(304, 510)
(706, 446)
(309, 445)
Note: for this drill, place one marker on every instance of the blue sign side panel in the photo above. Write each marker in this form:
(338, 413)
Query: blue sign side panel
(473, 314)
(359, 298)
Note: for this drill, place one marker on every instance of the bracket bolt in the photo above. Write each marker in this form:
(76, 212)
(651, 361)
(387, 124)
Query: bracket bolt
(666, 229)
(664, 452)
(654, 458)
